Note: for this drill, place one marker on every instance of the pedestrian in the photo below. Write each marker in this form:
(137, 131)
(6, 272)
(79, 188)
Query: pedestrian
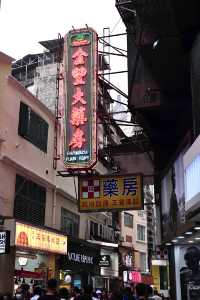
(141, 291)
(149, 292)
(87, 293)
(99, 294)
(64, 294)
(25, 291)
(128, 294)
(76, 293)
(37, 292)
(104, 294)
(156, 295)
(51, 293)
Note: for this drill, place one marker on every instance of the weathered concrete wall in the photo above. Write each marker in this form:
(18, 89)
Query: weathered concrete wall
(45, 85)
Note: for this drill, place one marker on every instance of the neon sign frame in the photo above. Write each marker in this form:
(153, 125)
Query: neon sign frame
(80, 90)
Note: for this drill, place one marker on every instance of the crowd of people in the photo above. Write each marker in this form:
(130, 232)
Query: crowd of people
(139, 292)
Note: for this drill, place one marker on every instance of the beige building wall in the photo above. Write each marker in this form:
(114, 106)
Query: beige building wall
(17, 155)
(140, 218)
(129, 236)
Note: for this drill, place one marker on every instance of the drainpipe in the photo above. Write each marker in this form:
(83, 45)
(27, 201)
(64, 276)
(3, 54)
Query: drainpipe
(54, 208)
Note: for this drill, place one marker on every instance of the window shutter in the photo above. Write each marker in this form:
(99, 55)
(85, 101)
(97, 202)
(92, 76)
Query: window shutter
(44, 135)
(30, 201)
(23, 120)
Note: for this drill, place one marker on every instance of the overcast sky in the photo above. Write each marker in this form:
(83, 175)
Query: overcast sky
(25, 22)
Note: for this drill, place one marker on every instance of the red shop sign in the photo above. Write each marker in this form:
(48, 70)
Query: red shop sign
(80, 90)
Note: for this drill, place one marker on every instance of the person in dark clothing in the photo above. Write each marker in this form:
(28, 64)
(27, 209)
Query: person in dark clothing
(37, 292)
(149, 292)
(51, 293)
(87, 293)
(127, 294)
(77, 293)
(141, 291)
(64, 294)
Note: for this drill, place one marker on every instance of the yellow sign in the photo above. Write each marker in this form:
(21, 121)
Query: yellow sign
(115, 192)
(156, 277)
(32, 237)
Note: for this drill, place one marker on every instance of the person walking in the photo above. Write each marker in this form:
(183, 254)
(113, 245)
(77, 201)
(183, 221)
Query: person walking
(64, 294)
(87, 293)
(51, 293)
(149, 290)
(141, 291)
(156, 296)
(37, 292)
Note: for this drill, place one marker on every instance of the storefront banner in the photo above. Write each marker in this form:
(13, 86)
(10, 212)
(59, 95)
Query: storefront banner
(4, 242)
(80, 258)
(116, 192)
(32, 237)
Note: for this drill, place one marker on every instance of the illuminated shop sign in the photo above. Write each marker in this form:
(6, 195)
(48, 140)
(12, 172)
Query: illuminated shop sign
(105, 193)
(105, 261)
(80, 258)
(4, 242)
(32, 237)
(80, 58)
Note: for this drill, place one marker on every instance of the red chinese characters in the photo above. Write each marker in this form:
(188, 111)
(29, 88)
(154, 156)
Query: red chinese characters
(78, 97)
(77, 139)
(78, 116)
(79, 74)
(79, 57)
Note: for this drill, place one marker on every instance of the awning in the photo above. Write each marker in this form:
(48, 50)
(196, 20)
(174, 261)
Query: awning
(28, 274)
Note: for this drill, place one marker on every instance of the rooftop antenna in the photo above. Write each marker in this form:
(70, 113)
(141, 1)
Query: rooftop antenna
(86, 25)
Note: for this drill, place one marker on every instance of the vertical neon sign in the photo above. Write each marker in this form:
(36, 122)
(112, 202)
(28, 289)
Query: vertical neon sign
(80, 59)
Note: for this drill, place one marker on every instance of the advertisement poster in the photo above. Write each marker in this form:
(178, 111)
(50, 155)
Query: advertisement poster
(188, 271)
(173, 198)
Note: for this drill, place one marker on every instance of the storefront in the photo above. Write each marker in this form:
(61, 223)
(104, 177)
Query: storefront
(109, 265)
(81, 264)
(187, 264)
(37, 251)
(126, 264)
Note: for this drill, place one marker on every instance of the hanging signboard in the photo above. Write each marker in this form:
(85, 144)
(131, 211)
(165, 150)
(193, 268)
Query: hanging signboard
(104, 193)
(80, 59)
(4, 242)
(105, 261)
(41, 239)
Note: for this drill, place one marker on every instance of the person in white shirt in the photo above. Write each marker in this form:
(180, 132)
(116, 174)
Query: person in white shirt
(37, 291)
(156, 296)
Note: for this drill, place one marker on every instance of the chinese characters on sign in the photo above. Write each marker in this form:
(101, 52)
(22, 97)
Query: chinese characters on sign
(36, 238)
(4, 242)
(105, 193)
(80, 149)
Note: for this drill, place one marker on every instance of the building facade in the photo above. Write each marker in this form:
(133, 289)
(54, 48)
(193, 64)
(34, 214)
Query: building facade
(163, 84)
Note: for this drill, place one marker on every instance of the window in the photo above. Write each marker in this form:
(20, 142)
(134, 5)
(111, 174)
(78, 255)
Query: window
(141, 213)
(143, 262)
(128, 220)
(141, 233)
(30, 201)
(32, 127)
(69, 222)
